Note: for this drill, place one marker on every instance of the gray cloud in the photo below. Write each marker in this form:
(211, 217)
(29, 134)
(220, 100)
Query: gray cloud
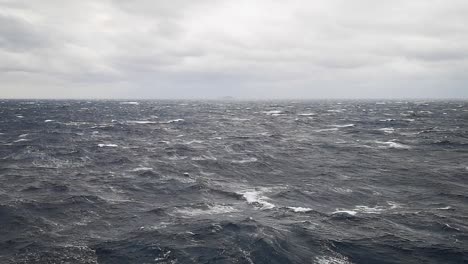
(208, 48)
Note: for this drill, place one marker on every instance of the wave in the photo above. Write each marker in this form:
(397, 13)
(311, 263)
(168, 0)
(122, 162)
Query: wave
(393, 145)
(107, 145)
(332, 260)
(343, 126)
(364, 209)
(255, 197)
(207, 210)
(387, 130)
(300, 209)
(274, 112)
(141, 122)
(242, 161)
(173, 121)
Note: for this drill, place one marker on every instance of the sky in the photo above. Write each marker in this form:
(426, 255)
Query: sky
(261, 49)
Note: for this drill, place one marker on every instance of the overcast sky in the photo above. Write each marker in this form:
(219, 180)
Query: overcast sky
(241, 48)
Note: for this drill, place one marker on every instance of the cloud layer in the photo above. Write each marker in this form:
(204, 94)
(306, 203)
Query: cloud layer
(245, 49)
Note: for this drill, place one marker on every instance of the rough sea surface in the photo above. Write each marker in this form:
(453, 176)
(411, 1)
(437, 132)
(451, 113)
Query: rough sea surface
(233, 182)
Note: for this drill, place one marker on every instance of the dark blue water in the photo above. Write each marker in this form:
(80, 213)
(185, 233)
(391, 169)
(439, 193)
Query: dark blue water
(233, 182)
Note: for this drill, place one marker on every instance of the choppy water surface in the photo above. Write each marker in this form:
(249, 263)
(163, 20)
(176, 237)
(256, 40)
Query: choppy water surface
(233, 182)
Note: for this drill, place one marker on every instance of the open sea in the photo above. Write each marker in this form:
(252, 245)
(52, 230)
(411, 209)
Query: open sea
(327, 182)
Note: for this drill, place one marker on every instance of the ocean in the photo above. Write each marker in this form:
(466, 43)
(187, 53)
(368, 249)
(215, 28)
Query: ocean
(323, 181)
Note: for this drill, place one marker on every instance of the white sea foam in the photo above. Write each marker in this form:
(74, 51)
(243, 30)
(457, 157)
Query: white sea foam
(300, 209)
(48, 120)
(273, 112)
(176, 157)
(215, 209)
(306, 114)
(204, 157)
(195, 141)
(444, 208)
(141, 122)
(342, 190)
(240, 119)
(255, 197)
(342, 126)
(393, 145)
(369, 210)
(387, 130)
(107, 145)
(326, 129)
(345, 212)
(242, 161)
(141, 169)
(174, 121)
(332, 260)
(22, 140)
(129, 103)
(364, 209)
(425, 112)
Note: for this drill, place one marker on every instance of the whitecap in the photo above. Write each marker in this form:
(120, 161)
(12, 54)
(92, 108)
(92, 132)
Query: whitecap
(141, 169)
(387, 130)
(342, 190)
(215, 209)
(306, 114)
(204, 157)
(326, 129)
(332, 260)
(342, 126)
(176, 157)
(240, 119)
(256, 198)
(252, 159)
(22, 140)
(393, 205)
(20, 116)
(444, 208)
(194, 141)
(369, 210)
(107, 145)
(394, 145)
(300, 209)
(48, 120)
(174, 121)
(23, 135)
(129, 103)
(273, 112)
(141, 122)
(345, 212)
(425, 112)
(364, 209)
